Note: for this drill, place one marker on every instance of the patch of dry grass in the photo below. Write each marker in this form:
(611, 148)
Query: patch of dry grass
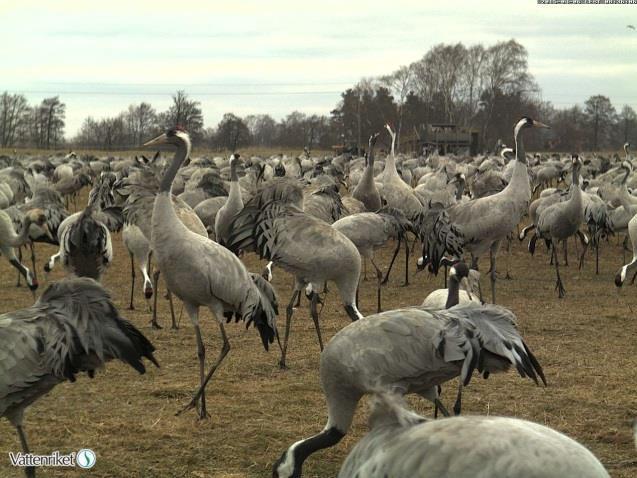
(585, 342)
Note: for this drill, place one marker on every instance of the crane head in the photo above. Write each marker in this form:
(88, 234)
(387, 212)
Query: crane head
(174, 136)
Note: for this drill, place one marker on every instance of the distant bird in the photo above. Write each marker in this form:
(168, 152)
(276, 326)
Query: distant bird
(631, 27)
(366, 190)
(232, 206)
(139, 250)
(401, 444)
(560, 221)
(85, 243)
(484, 222)
(629, 269)
(459, 274)
(274, 224)
(9, 240)
(372, 230)
(74, 327)
(411, 350)
(203, 273)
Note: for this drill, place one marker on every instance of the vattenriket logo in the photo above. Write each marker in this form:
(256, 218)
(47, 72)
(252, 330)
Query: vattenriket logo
(84, 458)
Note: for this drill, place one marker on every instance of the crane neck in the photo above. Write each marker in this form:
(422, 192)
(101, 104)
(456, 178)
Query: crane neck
(453, 292)
(234, 177)
(520, 154)
(183, 150)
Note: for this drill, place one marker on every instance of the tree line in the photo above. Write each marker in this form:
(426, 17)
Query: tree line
(482, 88)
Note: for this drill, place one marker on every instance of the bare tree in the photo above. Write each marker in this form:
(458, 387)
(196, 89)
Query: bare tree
(600, 114)
(13, 111)
(141, 122)
(186, 113)
(400, 83)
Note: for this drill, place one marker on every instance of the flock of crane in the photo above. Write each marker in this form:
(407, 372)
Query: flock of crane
(191, 220)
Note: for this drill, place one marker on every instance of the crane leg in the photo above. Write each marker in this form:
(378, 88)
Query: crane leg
(558, 285)
(173, 324)
(364, 269)
(379, 280)
(29, 471)
(153, 322)
(315, 318)
(18, 284)
(391, 264)
(508, 264)
(200, 394)
(35, 274)
(457, 407)
(584, 240)
(132, 287)
(493, 252)
(406, 283)
(565, 245)
(288, 317)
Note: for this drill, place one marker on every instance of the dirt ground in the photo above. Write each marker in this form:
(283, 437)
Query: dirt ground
(585, 342)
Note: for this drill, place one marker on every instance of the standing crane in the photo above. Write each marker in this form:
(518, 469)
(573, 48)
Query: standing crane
(203, 273)
(484, 222)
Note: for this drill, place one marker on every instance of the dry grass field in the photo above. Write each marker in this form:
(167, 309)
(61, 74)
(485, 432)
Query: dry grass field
(586, 343)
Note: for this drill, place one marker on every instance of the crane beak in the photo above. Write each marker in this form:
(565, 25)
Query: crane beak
(537, 124)
(161, 139)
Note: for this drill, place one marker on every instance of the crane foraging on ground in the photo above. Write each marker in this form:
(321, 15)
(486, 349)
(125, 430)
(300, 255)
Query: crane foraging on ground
(411, 350)
(203, 273)
(274, 224)
(74, 327)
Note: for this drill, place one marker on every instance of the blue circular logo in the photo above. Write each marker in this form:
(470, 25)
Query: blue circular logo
(85, 458)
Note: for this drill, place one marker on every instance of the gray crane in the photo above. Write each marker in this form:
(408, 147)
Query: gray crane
(86, 249)
(372, 230)
(139, 251)
(411, 350)
(483, 223)
(232, 206)
(631, 267)
(274, 224)
(366, 190)
(140, 191)
(560, 221)
(401, 444)
(9, 239)
(74, 327)
(203, 273)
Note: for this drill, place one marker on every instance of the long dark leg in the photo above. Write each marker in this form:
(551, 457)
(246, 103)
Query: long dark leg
(172, 309)
(584, 240)
(35, 273)
(19, 284)
(406, 262)
(379, 279)
(391, 264)
(508, 264)
(288, 316)
(132, 287)
(457, 407)
(565, 245)
(315, 318)
(200, 394)
(29, 471)
(493, 252)
(364, 269)
(558, 285)
(153, 321)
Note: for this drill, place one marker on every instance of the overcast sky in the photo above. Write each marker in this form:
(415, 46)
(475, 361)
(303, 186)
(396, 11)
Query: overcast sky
(279, 56)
